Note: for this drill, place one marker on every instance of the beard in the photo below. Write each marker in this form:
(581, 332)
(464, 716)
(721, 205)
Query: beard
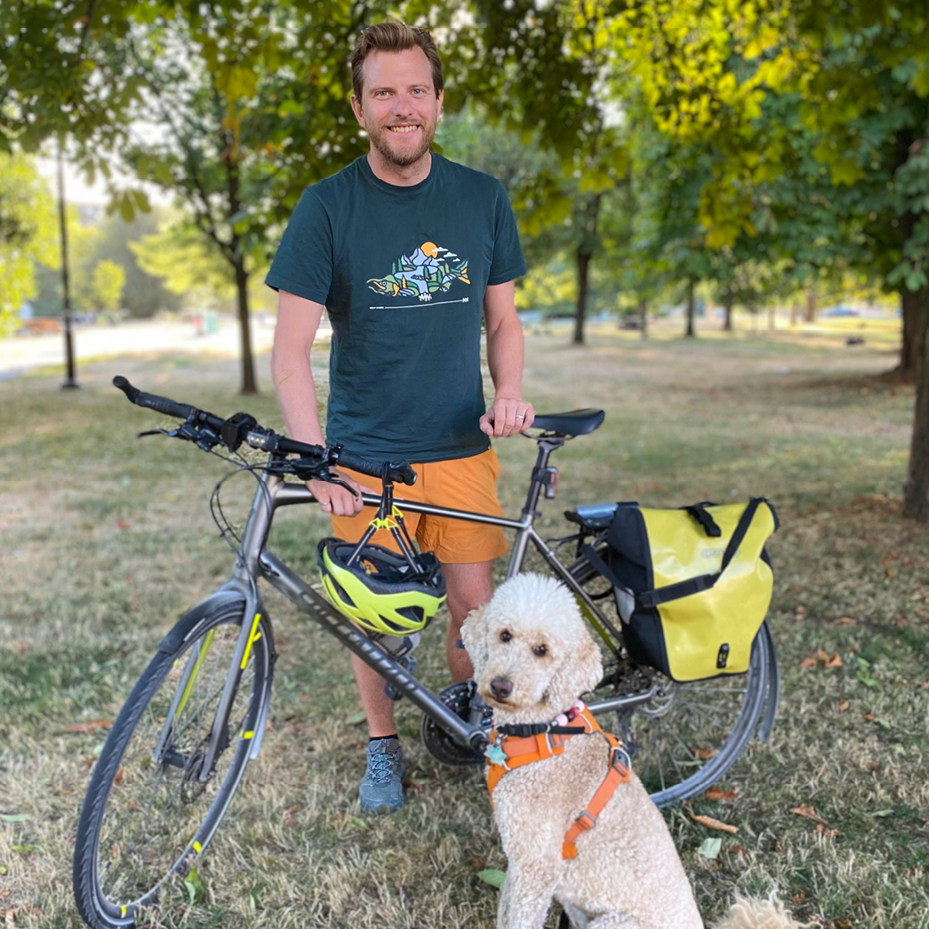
(381, 141)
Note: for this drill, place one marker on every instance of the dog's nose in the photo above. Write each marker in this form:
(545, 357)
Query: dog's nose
(501, 688)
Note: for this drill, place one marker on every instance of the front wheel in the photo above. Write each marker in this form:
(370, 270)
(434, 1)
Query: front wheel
(689, 734)
(149, 810)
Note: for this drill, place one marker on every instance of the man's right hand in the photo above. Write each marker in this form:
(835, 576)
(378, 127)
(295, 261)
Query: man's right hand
(338, 501)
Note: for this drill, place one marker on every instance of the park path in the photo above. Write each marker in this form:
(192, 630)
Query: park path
(19, 354)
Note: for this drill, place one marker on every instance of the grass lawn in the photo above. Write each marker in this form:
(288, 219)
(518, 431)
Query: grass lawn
(106, 540)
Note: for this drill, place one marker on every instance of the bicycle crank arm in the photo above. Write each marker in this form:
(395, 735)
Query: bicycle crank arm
(621, 703)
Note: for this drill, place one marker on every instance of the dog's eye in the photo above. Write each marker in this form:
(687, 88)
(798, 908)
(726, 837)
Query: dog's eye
(540, 651)
(505, 636)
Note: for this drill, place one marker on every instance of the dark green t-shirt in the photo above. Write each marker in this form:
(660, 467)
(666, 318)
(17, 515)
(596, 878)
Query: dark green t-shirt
(402, 272)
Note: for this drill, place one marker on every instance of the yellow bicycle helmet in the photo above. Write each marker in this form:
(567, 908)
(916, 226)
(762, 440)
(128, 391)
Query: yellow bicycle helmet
(378, 589)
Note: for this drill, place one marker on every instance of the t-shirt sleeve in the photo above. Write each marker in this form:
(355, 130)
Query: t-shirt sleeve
(508, 262)
(303, 262)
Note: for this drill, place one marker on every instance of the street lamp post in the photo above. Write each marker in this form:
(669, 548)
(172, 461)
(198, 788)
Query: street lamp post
(69, 382)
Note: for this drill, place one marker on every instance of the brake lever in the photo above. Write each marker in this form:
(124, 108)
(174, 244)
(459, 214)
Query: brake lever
(342, 483)
(171, 433)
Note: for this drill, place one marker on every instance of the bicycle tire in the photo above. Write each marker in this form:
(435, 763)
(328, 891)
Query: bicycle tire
(111, 893)
(676, 755)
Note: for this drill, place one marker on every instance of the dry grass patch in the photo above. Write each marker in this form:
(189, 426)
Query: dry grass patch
(106, 540)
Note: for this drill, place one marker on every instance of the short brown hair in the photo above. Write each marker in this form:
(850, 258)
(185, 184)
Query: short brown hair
(393, 37)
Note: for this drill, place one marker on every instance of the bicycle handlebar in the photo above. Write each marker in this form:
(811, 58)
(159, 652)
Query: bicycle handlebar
(244, 428)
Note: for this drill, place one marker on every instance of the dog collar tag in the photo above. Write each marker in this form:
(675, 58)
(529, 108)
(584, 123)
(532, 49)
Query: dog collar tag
(496, 755)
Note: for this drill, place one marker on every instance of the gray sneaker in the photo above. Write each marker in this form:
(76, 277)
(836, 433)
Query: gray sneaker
(381, 790)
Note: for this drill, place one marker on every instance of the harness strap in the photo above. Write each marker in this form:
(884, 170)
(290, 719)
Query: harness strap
(619, 773)
(518, 752)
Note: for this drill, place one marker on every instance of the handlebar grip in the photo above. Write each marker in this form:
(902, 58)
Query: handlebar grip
(160, 404)
(396, 470)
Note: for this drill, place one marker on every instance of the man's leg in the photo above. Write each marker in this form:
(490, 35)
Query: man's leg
(469, 586)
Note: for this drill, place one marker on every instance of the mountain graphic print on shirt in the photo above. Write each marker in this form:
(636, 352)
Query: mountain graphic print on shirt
(430, 269)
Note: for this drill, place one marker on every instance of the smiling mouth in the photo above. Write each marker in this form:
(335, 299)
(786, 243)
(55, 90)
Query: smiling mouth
(403, 129)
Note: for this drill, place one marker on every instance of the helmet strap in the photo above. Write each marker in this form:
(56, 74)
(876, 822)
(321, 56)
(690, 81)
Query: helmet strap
(389, 517)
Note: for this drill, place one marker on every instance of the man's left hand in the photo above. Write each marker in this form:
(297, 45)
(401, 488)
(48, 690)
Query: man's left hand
(507, 416)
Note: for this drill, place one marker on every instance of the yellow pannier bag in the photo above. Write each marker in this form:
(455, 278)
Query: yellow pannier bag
(692, 585)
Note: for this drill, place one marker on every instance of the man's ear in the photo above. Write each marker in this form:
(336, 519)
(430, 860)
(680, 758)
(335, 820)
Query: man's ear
(357, 110)
(474, 636)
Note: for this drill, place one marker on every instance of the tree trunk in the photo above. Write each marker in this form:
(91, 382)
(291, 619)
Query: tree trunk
(583, 277)
(691, 306)
(810, 315)
(249, 383)
(909, 306)
(916, 491)
(772, 323)
(727, 321)
(587, 246)
(794, 312)
(643, 317)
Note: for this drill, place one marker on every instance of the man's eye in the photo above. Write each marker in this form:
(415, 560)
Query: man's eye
(540, 651)
(505, 636)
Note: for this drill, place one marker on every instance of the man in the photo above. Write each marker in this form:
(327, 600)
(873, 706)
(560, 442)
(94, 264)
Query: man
(404, 248)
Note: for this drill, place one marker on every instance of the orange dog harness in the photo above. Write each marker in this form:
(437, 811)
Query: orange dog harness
(508, 752)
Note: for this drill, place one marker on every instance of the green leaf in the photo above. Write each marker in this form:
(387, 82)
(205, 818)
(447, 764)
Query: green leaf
(710, 848)
(126, 210)
(254, 898)
(356, 719)
(493, 877)
(194, 886)
(13, 817)
(360, 823)
(882, 813)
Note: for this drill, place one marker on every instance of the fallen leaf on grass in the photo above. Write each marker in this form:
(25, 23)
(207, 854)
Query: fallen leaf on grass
(712, 823)
(492, 876)
(356, 719)
(845, 621)
(808, 663)
(13, 817)
(88, 726)
(834, 662)
(360, 823)
(710, 848)
(808, 812)
(842, 705)
(828, 833)
(717, 793)
(704, 754)
(843, 924)
(798, 897)
(868, 717)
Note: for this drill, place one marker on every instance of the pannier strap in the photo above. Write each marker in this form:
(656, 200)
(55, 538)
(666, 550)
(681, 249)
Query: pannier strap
(652, 598)
(699, 513)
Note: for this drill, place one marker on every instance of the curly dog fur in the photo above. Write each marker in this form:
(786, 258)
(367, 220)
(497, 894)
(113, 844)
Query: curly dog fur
(533, 657)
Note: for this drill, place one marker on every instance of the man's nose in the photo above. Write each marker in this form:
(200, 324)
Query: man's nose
(403, 105)
(501, 688)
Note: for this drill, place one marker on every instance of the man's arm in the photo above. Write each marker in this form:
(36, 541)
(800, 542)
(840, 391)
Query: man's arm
(509, 414)
(297, 323)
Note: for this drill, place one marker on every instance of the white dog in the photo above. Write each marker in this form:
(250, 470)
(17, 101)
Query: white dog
(533, 657)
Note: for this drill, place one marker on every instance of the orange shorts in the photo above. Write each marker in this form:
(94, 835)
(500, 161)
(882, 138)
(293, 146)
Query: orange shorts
(458, 483)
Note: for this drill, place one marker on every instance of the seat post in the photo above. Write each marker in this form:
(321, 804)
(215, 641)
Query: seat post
(547, 445)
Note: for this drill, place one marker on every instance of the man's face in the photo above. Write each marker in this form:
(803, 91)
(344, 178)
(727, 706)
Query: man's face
(399, 107)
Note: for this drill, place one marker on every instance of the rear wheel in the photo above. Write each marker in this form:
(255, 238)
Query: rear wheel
(148, 814)
(688, 735)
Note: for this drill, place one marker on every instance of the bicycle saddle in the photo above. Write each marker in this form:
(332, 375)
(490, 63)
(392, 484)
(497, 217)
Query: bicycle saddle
(576, 422)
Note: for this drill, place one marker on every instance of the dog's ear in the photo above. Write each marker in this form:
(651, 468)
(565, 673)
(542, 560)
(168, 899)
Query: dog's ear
(590, 663)
(578, 671)
(474, 636)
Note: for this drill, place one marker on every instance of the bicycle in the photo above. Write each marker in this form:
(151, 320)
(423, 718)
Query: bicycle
(179, 747)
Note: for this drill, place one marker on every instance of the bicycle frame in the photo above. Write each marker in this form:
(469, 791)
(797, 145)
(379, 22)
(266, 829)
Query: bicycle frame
(255, 561)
